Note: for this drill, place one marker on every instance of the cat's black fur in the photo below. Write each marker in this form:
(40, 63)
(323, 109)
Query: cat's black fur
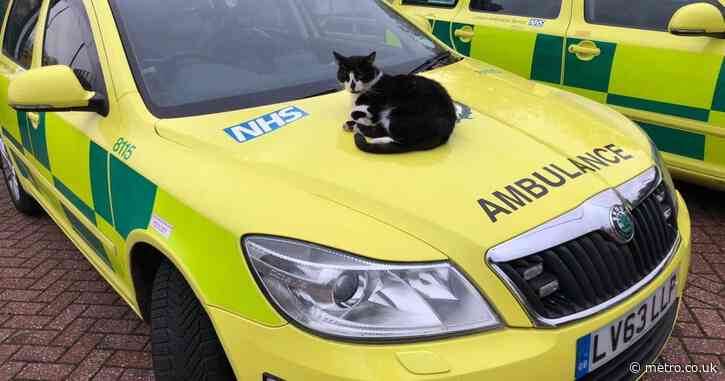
(414, 113)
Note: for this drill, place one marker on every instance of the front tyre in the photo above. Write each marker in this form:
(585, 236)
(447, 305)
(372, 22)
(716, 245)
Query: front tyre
(184, 344)
(22, 201)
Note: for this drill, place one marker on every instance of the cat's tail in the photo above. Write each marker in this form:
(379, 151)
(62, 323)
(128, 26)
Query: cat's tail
(391, 148)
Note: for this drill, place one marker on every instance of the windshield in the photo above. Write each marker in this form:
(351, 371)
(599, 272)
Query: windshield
(194, 57)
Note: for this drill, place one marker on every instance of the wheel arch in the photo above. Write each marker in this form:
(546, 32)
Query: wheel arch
(210, 277)
(145, 255)
(145, 261)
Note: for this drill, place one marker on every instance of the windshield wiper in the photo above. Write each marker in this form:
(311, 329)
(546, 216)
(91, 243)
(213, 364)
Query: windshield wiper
(432, 63)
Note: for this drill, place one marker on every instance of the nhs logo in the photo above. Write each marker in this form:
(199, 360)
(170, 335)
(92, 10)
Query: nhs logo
(265, 124)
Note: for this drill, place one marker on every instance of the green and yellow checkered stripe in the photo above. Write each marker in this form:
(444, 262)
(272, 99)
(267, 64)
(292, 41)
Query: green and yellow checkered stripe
(106, 192)
(670, 82)
(529, 54)
(694, 87)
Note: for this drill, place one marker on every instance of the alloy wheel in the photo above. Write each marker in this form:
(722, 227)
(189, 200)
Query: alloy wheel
(9, 171)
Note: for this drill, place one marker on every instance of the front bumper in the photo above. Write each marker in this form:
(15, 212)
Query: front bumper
(507, 353)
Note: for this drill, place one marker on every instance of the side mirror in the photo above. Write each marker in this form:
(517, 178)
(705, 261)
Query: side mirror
(699, 19)
(53, 89)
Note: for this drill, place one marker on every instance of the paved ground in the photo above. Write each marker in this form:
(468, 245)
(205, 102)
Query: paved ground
(60, 320)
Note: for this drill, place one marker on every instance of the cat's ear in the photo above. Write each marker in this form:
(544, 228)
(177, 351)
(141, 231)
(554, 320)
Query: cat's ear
(339, 58)
(371, 58)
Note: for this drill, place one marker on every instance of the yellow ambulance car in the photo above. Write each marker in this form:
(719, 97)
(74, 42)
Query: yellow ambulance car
(193, 152)
(660, 62)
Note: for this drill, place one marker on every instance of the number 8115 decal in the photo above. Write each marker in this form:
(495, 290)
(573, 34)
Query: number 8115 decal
(123, 148)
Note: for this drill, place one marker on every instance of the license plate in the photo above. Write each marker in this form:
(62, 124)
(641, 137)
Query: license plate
(599, 347)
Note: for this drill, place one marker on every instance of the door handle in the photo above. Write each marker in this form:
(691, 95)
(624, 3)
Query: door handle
(34, 119)
(464, 34)
(585, 50)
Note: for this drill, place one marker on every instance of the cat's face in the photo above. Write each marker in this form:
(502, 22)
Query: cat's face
(356, 73)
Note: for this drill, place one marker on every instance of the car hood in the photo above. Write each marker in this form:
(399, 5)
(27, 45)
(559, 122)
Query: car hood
(481, 189)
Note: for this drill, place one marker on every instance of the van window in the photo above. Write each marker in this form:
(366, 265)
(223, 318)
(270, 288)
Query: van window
(432, 3)
(641, 14)
(546, 9)
(20, 31)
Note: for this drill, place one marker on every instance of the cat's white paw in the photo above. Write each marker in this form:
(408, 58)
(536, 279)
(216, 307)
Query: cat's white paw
(348, 126)
(383, 140)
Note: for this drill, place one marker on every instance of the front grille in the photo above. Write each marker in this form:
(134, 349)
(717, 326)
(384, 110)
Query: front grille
(643, 352)
(594, 268)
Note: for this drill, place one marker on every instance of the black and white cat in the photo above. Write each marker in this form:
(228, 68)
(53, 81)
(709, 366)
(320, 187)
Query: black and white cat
(398, 114)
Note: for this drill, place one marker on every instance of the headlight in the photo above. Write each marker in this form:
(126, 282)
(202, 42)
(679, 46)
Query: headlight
(338, 294)
(666, 178)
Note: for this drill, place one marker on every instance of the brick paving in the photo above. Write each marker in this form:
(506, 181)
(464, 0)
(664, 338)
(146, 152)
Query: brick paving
(699, 336)
(59, 320)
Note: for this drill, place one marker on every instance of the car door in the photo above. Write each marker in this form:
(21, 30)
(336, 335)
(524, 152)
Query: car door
(525, 37)
(25, 142)
(435, 15)
(620, 53)
(77, 143)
